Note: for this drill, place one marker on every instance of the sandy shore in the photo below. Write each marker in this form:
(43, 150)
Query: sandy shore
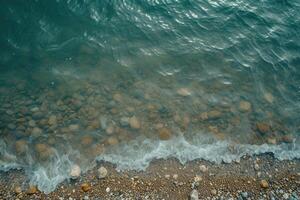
(261, 177)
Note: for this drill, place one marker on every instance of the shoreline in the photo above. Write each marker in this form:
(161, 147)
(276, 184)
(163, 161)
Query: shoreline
(255, 177)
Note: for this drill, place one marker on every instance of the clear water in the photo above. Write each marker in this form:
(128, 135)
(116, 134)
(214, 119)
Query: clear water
(131, 81)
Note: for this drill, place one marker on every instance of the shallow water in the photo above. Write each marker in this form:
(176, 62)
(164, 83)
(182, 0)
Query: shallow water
(131, 81)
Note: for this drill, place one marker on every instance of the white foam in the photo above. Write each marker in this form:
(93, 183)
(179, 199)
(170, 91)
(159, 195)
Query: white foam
(138, 154)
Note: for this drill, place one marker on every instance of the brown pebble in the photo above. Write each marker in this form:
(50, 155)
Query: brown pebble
(264, 184)
(85, 187)
(32, 189)
(164, 134)
(18, 190)
(263, 127)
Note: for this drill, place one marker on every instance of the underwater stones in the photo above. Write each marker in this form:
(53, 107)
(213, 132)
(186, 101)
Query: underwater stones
(134, 122)
(214, 114)
(75, 171)
(110, 129)
(164, 133)
(112, 141)
(11, 126)
(43, 150)
(269, 97)
(32, 123)
(86, 140)
(102, 172)
(263, 127)
(203, 168)
(264, 184)
(74, 127)
(287, 138)
(85, 187)
(245, 106)
(21, 146)
(52, 120)
(214, 192)
(36, 132)
(117, 97)
(124, 121)
(32, 190)
(271, 141)
(184, 92)
(34, 109)
(97, 149)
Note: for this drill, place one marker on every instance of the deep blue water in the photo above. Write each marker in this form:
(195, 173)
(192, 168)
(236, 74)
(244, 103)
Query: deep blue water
(129, 81)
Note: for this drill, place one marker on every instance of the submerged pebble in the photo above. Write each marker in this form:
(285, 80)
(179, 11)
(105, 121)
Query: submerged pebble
(164, 133)
(75, 171)
(134, 122)
(102, 172)
(245, 106)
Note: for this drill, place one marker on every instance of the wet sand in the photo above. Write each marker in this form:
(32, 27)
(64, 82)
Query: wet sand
(257, 177)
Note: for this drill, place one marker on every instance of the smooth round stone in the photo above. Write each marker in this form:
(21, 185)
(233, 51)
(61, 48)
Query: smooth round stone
(32, 123)
(21, 146)
(74, 127)
(134, 123)
(110, 129)
(245, 106)
(263, 127)
(52, 120)
(35, 109)
(86, 140)
(117, 97)
(184, 92)
(112, 141)
(269, 97)
(36, 132)
(124, 121)
(75, 171)
(164, 134)
(102, 172)
(11, 126)
(264, 184)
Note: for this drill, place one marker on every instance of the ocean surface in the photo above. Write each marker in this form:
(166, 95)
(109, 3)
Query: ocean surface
(130, 81)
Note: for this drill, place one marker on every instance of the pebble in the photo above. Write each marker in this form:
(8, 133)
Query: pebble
(102, 172)
(245, 106)
(107, 189)
(11, 126)
(52, 120)
(21, 146)
(75, 171)
(175, 176)
(109, 130)
(213, 192)
(18, 190)
(85, 187)
(269, 97)
(112, 141)
(164, 133)
(262, 127)
(285, 196)
(36, 132)
(32, 123)
(256, 166)
(203, 168)
(287, 138)
(32, 189)
(124, 121)
(214, 114)
(264, 184)
(134, 122)
(184, 92)
(74, 127)
(194, 195)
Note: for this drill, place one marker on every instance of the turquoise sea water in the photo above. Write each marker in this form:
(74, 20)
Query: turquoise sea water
(131, 81)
